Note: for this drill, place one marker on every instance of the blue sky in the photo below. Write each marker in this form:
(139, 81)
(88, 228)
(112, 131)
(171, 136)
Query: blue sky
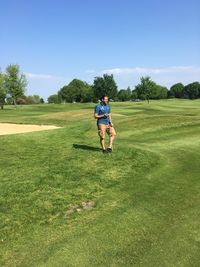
(56, 41)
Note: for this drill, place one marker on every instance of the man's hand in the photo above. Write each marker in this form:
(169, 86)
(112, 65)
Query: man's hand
(107, 115)
(111, 124)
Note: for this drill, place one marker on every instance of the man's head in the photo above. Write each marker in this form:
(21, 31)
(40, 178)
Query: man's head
(104, 99)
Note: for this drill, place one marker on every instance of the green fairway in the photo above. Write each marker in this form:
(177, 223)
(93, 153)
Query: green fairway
(145, 195)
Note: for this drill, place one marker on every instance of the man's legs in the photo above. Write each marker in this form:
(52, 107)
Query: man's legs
(111, 141)
(112, 135)
(102, 142)
(102, 133)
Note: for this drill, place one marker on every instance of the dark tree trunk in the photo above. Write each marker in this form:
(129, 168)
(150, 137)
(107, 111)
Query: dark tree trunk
(1, 105)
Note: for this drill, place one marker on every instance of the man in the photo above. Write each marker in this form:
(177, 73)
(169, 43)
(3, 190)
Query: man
(104, 123)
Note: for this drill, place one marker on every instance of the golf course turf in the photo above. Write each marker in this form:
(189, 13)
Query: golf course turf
(65, 203)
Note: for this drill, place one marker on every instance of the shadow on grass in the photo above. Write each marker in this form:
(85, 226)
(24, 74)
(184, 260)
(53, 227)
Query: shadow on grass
(85, 147)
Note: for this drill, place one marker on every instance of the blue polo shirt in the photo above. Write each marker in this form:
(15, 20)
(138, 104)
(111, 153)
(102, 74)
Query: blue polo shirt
(101, 109)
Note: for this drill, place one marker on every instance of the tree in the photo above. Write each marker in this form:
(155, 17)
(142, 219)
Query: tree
(163, 92)
(129, 92)
(42, 100)
(33, 99)
(2, 90)
(134, 95)
(67, 94)
(76, 91)
(36, 99)
(159, 92)
(88, 94)
(148, 89)
(21, 100)
(15, 82)
(145, 88)
(177, 90)
(192, 90)
(105, 85)
(123, 95)
(53, 99)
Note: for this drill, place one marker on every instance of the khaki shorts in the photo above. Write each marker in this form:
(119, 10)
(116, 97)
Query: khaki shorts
(103, 129)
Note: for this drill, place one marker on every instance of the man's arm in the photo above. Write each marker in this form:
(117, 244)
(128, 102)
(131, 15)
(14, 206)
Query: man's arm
(110, 120)
(96, 116)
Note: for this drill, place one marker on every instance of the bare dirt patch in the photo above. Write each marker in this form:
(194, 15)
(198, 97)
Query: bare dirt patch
(84, 205)
(10, 128)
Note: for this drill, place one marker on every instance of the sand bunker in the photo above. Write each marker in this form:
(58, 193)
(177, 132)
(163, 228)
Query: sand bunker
(9, 128)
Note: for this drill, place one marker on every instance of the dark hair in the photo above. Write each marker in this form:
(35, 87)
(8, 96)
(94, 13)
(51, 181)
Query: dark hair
(103, 96)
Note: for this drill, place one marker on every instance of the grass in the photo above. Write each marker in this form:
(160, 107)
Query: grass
(146, 194)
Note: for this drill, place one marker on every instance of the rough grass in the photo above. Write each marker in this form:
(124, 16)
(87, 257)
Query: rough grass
(146, 194)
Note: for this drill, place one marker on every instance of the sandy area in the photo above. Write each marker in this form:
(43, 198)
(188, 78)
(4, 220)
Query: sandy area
(10, 128)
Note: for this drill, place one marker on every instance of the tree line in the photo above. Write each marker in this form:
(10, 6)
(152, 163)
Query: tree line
(13, 85)
(80, 91)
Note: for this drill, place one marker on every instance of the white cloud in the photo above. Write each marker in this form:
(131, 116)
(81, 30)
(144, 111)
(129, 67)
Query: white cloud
(90, 71)
(40, 76)
(119, 71)
(139, 70)
(166, 76)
